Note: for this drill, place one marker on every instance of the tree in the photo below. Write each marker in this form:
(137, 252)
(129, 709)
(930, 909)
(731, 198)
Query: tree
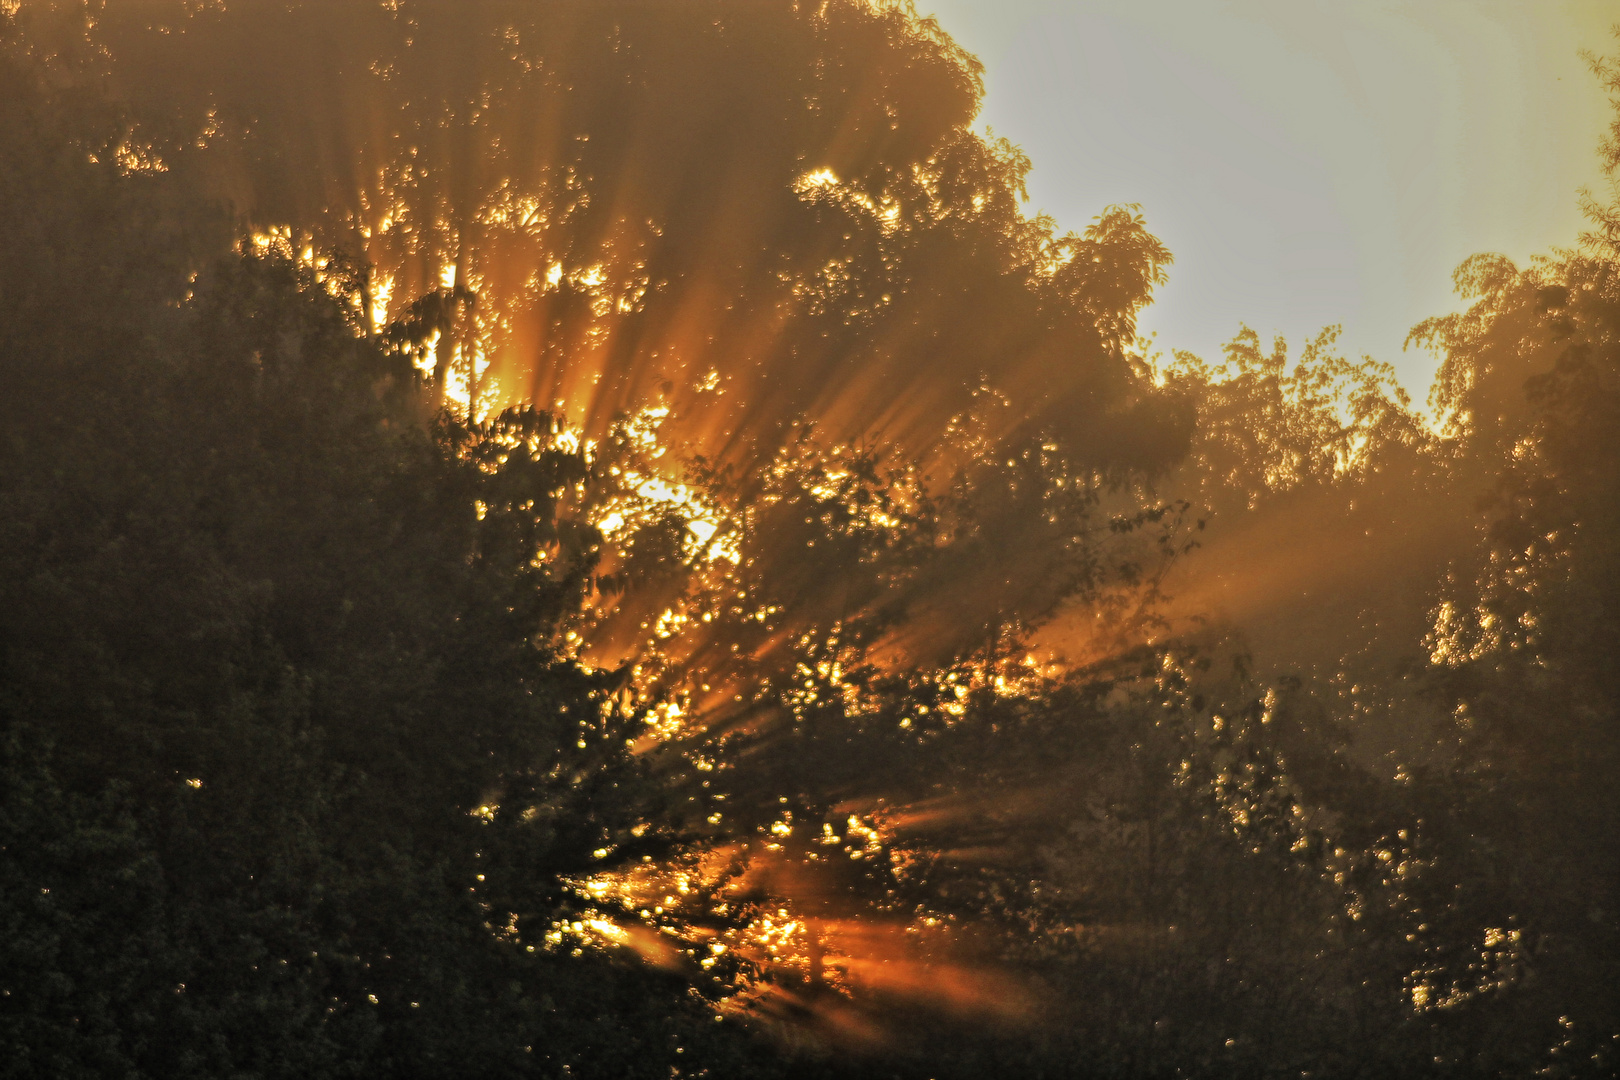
(826, 661)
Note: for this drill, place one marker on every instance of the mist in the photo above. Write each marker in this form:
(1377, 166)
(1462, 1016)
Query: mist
(605, 539)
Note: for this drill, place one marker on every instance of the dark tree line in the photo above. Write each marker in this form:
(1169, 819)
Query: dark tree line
(741, 604)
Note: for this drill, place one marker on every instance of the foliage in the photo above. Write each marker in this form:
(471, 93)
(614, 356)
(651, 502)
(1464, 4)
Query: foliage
(806, 611)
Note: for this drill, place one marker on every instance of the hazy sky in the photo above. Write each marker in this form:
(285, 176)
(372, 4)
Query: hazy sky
(1308, 161)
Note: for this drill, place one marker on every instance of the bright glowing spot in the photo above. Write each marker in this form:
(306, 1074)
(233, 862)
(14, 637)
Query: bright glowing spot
(134, 159)
(429, 360)
(382, 291)
(819, 178)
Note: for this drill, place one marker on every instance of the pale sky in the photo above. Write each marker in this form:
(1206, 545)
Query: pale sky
(1308, 162)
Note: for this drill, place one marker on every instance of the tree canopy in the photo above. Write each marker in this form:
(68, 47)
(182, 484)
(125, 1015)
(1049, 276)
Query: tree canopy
(598, 539)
